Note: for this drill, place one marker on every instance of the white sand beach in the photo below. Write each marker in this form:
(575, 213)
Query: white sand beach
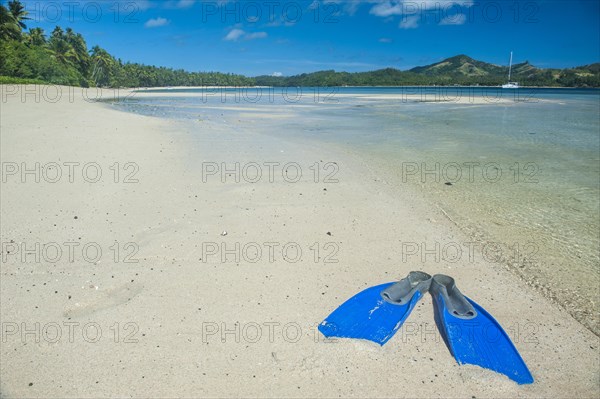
(121, 277)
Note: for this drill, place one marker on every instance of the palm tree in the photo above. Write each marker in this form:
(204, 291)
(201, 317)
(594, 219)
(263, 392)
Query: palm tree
(36, 37)
(57, 33)
(69, 35)
(103, 64)
(9, 28)
(62, 51)
(77, 42)
(18, 12)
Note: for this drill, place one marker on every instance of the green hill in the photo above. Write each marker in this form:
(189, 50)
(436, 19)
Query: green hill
(460, 65)
(458, 70)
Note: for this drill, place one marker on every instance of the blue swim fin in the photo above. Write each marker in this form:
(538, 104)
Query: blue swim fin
(472, 334)
(376, 313)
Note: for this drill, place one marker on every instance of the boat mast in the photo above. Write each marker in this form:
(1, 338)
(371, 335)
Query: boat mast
(510, 66)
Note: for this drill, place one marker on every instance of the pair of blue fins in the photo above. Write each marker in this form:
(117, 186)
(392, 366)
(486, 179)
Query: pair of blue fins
(472, 334)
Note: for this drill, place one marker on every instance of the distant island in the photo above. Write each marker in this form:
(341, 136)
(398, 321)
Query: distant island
(29, 56)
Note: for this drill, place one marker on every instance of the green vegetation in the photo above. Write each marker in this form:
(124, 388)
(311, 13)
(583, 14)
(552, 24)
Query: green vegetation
(459, 70)
(465, 70)
(5, 80)
(64, 58)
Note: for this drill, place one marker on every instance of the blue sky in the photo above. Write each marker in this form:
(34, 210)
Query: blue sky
(291, 37)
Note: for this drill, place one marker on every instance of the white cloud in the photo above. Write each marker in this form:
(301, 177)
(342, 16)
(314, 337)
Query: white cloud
(386, 8)
(409, 22)
(256, 35)
(451, 12)
(351, 6)
(348, 7)
(237, 34)
(234, 35)
(457, 19)
(157, 22)
(385, 40)
(277, 74)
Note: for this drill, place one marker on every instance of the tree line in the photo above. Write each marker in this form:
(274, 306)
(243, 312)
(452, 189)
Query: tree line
(586, 76)
(63, 58)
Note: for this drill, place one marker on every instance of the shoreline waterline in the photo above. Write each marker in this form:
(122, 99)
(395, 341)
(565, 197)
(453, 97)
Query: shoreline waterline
(526, 212)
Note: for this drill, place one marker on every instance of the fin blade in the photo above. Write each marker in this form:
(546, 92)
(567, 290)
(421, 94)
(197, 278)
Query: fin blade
(481, 341)
(500, 353)
(368, 316)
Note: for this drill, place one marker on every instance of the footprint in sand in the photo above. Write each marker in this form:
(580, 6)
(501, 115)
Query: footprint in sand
(109, 299)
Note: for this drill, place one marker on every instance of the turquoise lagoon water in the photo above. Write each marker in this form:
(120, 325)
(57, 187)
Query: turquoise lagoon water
(517, 168)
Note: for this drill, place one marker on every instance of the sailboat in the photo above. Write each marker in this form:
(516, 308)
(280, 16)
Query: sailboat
(509, 84)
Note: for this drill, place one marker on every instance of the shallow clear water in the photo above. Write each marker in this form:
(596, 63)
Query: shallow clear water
(524, 172)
